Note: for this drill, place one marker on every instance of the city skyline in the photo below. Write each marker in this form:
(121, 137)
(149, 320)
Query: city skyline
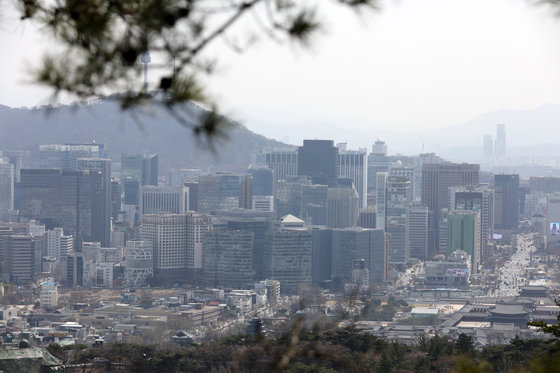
(386, 196)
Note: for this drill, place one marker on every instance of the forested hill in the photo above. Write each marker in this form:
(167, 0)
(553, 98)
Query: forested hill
(140, 130)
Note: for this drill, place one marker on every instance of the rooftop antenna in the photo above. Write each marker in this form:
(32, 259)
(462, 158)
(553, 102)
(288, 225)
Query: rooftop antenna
(146, 59)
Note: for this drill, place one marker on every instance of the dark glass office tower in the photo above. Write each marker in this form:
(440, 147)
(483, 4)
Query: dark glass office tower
(104, 166)
(72, 200)
(83, 205)
(318, 159)
(314, 204)
(227, 259)
(223, 191)
(256, 222)
(137, 170)
(150, 169)
(116, 198)
(40, 196)
(506, 201)
(262, 183)
(321, 260)
(354, 243)
(287, 258)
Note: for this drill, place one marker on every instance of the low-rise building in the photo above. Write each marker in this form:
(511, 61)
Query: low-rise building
(201, 314)
(48, 297)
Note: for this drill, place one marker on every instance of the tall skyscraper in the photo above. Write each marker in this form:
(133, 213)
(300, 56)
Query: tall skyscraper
(131, 191)
(150, 169)
(104, 166)
(377, 162)
(318, 160)
(379, 152)
(436, 180)
(20, 159)
(287, 258)
(321, 258)
(74, 269)
(314, 204)
(354, 243)
(256, 222)
(138, 170)
(507, 201)
(223, 191)
(84, 206)
(72, 200)
(381, 200)
(197, 226)
(228, 259)
(476, 199)
(500, 143)
(342, 207)
(40, 196)
(282, 161)
(6, 187)
(354, 165)
(418, 231)
(396, 219)
(116, 198)
(419, 163)
(168, 234)
(288, 198)
(398, 169)
(262, 183)
(193, 195)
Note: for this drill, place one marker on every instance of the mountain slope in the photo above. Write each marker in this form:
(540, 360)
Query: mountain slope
(142, 130)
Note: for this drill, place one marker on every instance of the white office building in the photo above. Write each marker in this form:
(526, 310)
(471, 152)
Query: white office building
(354, 165)
(58, 245)
(263, 203)
(161, 199)
(168, 233)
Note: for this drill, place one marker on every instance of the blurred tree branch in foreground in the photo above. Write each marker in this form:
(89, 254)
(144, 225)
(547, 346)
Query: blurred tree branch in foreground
(103, 43)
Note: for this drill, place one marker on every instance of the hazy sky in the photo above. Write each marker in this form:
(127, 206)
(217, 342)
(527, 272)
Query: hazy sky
(416, 64)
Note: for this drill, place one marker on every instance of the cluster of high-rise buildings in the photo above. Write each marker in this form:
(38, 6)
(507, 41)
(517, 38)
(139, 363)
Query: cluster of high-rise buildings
(316, 214)
(495, 149)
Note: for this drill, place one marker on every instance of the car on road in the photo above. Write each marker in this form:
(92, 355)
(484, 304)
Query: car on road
(100, 361)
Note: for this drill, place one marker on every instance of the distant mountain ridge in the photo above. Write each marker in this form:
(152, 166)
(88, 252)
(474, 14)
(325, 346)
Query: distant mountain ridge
(141, 130)
(523, 127)
(528, 133)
